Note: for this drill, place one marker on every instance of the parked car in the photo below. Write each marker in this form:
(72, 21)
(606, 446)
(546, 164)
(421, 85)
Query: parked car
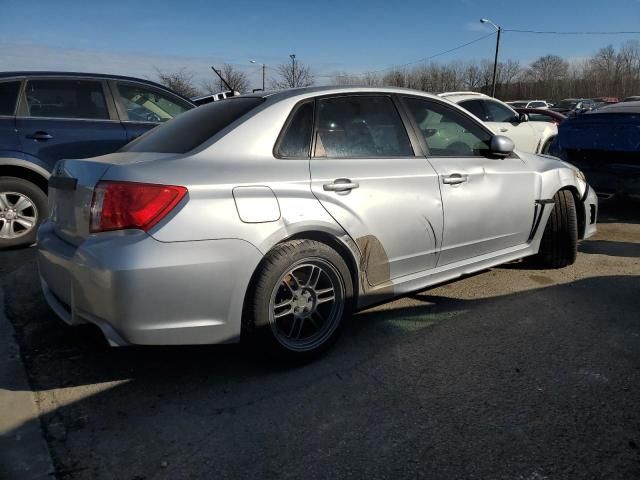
(607, 100)
(542, 115)
(605, 143)
(271, 217)
(635, 98)
(533, 137)
(573, 105)
(213, 97)
(529, 104)
(46, 116)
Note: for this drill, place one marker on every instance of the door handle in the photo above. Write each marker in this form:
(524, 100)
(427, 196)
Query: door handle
(504, 130)
(455, 179)
(340, 185)
(41, 136)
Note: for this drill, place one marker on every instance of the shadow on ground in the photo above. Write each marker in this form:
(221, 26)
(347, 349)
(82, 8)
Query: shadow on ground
(535, 384)
(540, 382)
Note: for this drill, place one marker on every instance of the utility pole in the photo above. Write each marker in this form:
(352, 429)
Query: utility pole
(293, 70)
(495, 60)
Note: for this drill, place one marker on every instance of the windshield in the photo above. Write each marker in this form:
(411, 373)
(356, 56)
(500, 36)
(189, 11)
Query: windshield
(518, 104)
(193, 128)
(567, 104)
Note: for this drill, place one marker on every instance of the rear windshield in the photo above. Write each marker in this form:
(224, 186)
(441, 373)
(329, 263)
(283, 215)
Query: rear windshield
(192, 128)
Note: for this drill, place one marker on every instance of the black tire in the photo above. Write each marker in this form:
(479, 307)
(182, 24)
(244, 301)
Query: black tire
(261, 329)
(547, 145)
(559, 245)
(13, 185)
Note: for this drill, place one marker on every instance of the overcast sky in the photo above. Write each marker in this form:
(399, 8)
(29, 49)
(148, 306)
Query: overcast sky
(133, 38)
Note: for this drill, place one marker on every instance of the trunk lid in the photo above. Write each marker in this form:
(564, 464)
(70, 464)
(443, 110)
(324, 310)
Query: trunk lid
(71, 187)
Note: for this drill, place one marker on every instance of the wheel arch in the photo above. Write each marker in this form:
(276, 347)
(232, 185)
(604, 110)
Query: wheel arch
(35, 175)
(337, 244)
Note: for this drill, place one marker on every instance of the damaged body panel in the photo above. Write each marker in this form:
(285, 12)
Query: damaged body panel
(352, 169)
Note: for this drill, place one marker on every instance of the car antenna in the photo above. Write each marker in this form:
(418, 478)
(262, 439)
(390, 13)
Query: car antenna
(221, 78)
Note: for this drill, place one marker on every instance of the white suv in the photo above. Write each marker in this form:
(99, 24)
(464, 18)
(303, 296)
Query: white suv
(529, 104)
(533, 137)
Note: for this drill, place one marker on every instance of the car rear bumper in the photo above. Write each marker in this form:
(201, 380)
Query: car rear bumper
(142, 291)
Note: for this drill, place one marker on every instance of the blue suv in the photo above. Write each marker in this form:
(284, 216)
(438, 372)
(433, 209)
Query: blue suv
(46, 116)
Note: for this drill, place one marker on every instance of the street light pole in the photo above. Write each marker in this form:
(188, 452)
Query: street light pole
(495, 60)
(293, 70)
(263, 67)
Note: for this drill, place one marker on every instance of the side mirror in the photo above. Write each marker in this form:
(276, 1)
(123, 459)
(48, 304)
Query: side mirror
(501, 146)
(523, 117)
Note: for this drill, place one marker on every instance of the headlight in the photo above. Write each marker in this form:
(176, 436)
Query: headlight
(580, 175)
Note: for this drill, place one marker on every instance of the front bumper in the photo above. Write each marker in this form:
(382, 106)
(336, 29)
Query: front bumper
(142, 291)
(589, 205)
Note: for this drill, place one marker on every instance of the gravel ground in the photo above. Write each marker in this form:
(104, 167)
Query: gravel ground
(509, 374)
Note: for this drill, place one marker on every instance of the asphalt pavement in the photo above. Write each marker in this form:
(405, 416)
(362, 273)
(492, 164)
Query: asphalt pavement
(512, 373)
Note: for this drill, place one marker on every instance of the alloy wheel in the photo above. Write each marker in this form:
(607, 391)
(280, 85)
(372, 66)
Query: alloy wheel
(307, 304)
(18, 215)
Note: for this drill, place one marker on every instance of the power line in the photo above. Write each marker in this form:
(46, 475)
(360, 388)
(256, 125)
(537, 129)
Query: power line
(444, 52)
(551, 32)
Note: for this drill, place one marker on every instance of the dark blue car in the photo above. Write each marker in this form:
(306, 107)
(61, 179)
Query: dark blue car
(605, 145)
(46, 116)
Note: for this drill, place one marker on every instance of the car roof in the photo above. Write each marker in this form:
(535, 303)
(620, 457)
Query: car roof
(462, 94)
(624, 107)
(106, 76)
(309, 92)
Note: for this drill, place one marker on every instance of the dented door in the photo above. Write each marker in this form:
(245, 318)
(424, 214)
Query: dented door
(492, 208)
(366, 175)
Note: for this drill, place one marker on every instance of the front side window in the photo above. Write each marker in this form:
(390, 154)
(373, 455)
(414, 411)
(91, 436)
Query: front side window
(448, 132)
(538, 105)
(296, 140)
(360, 126)
(475, 107)
(8, 97)
(83, 99)
(146, 105)
(497, 112)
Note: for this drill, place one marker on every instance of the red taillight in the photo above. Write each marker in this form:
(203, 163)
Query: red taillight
(120, 205)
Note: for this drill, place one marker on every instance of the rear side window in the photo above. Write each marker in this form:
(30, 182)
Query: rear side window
(66, 99)
(498, 113)
(296, 140)
(8, 97)
(360, 127)
(193, 128)
(537, 105)
(146, 105)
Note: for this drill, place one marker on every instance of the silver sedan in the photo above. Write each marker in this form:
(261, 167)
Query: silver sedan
(273, 217)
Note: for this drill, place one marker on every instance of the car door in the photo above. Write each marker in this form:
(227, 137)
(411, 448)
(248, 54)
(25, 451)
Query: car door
(9, 138)
(142, 107)
(488, 203)
(366, 175)
(67, 118)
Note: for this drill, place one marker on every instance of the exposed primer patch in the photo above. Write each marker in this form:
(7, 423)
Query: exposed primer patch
(373, 260)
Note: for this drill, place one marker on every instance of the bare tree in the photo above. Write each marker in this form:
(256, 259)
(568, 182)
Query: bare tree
(292, 75)
(236, 79)
(180, 81)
